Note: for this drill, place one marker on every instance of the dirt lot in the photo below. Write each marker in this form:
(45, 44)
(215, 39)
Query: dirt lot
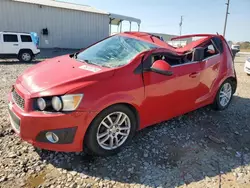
(203, 148)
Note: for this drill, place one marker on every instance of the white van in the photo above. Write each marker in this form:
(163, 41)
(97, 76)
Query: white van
(17, 45)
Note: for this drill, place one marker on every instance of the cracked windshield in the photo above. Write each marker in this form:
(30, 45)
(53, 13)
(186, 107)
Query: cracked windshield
(115, 51)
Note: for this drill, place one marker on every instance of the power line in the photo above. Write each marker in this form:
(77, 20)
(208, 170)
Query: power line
(225, 26)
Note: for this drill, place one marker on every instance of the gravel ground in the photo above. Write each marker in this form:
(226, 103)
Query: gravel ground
(203, 148)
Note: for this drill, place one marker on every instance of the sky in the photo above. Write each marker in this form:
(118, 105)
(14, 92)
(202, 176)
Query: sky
(199, 16)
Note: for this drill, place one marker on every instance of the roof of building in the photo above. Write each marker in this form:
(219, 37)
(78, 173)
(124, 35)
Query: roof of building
(64, 5)
(117, 18)
(14, 32)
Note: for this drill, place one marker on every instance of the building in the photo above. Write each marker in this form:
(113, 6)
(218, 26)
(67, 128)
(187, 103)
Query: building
(58, 24)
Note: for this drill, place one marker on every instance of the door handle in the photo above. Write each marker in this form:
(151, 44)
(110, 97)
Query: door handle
(15, 44)
(194, 74)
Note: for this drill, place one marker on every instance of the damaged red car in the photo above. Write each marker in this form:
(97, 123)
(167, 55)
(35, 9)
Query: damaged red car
(96, 99)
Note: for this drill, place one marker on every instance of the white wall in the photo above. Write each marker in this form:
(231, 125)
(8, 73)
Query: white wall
(67, 28)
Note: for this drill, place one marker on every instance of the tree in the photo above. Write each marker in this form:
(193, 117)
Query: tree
(245, 45)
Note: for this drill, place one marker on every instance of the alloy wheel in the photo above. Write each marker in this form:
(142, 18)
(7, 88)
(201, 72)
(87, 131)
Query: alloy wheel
(225, 94)
(113, 130)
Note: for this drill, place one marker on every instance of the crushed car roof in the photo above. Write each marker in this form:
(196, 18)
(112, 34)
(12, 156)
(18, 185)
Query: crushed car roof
(156, 40)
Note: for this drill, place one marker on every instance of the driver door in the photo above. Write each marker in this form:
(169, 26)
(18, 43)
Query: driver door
(169, 96)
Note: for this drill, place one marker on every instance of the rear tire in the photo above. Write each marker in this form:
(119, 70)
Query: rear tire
(224, 95)
(25, 56)
(112, 129)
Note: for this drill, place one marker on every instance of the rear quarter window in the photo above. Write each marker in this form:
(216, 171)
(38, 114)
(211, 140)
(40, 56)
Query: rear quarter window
(26, 38)
(10, 38)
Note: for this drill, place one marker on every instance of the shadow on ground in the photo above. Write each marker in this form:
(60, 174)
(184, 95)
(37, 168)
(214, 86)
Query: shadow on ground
(17, 62)
(187, 149)
(54, 52)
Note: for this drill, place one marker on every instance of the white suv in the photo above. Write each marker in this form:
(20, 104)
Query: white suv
(17, 45)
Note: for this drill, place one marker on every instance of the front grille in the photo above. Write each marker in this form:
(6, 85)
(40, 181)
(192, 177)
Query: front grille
(18, 99)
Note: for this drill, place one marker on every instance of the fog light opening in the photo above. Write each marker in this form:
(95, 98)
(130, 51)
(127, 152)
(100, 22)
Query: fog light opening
(52, 137)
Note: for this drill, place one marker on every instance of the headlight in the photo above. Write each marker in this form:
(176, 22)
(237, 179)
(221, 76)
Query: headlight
(41, 103)
(57, 103)
(71, 102)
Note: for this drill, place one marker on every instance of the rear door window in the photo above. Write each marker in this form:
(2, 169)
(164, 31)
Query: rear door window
(26, 38)
(210, 50)
(218, 42)
(10, 38)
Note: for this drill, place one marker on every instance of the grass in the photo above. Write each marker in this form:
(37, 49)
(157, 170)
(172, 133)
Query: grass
(245, 50)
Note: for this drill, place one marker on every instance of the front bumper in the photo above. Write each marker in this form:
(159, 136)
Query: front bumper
(247, 67)
(32, 126)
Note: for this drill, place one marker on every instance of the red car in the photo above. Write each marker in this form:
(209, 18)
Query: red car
(95, 100)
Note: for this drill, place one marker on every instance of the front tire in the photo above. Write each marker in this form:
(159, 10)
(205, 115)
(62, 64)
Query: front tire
(113, 128)
(224, 96)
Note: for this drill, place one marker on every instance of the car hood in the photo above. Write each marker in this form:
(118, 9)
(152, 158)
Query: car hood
(60, 75)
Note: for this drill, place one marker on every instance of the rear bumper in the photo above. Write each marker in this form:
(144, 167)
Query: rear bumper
(33, 126)
(37, 52)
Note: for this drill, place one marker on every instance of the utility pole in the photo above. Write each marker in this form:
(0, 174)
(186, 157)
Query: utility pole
(181, 25)
(225, 26)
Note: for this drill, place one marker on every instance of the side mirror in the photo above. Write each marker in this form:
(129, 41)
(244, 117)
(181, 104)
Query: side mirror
(162, 67)
(198, 54)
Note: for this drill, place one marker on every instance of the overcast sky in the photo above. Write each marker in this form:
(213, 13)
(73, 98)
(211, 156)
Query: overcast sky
(200, 16)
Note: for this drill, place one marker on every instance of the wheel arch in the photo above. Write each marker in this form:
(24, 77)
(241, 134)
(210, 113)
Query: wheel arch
(216, 104)
(217, 87)
(234, 81)
(128, 105)
(134, 110)
(25, 50)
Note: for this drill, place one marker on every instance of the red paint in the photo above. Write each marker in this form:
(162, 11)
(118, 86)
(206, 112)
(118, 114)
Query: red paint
(155, 97)
(194, 35)
(160, 64)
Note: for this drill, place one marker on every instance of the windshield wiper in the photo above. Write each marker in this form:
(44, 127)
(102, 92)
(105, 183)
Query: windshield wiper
(75, 55)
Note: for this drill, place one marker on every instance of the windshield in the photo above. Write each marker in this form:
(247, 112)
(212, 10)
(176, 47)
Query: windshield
(115, 51)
